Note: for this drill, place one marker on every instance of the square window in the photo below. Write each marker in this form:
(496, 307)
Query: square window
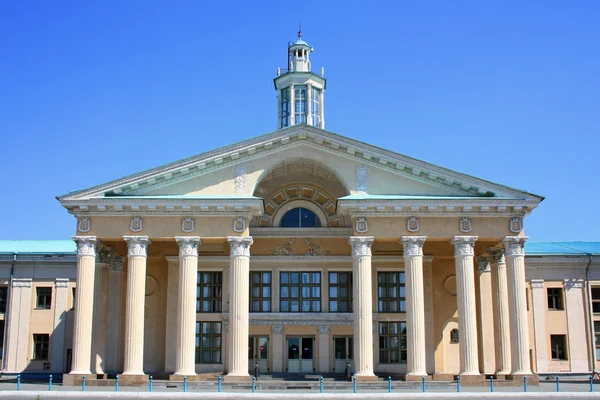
(555, 299)
(44, 298)
(558, 344)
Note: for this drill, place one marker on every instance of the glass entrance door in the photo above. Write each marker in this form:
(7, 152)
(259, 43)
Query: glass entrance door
(343, 348)
(258, 352)
(300, 354)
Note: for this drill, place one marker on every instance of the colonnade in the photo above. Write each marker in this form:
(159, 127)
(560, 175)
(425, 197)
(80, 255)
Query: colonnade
(507, 280)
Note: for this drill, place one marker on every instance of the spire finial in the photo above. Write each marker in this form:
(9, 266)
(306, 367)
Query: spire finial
(300, 31)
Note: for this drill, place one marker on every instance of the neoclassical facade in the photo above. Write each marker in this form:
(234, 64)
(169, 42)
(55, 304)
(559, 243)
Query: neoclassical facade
(300, 251)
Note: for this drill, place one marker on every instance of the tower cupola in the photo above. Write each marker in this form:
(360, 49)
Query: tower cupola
(300, 92)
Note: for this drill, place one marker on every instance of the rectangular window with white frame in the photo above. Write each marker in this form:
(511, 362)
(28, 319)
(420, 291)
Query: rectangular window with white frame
(314, 106)
(285, 107)
(299, 104)
(44, 298)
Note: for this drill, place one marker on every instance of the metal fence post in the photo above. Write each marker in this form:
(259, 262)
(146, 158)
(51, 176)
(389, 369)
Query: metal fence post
(50, 383)
(117, 384)
(354, 379)
(591, 383)
(83, 384)
(19, 382)
(423, 387)
(389, 384)
(219, 379)
(491, 383)
(458, 383)
(185, 383)
(557, 384)
(524, 383)
(320, 384)
(150, 386)
(253, 384)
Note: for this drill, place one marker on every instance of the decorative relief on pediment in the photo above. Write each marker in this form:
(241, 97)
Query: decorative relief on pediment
(412, 224)
(84, 224)
(187, 225)
(284, 249)
(465, 225)
(239, 224)
(240, 178)
(516, 225)
(361, 225)
(135, 225)
(314, 249)
(362, 178)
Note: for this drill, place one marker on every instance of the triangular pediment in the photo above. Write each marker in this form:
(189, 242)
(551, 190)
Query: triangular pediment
(234, 172)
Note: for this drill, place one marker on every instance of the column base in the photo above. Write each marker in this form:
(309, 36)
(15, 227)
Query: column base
(366, 378)
(133, 380)
(532, 379)
(237, 378)
(442, 377)
(208, 376)
(472, 380)
(75, 379)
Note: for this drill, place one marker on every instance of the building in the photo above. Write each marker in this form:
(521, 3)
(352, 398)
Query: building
(300, 250)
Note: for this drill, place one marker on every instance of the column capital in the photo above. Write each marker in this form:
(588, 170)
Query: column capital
(361, 245)
(277, 328)
(514, 245)
(483, 264)
(137, 245)
(61, 282)
(537, 283)
(105, 254)
(240, 245)
(496, 255)
(323, 329)
(188, 245)
(86, 245)
(413, 245)
(464, 245)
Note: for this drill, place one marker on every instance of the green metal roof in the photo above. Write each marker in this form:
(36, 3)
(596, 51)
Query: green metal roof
(300, 42)
(562, 248)
(38, 247)
(415, 197)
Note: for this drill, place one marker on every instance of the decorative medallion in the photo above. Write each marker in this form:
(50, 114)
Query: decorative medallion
(362, 178)
(239, 224)
(516, 225)
(151, 285)
(240, 245)
(413, 245)
(135, 225)
(465, 225)
(240, 178)
(361, 225)
(187, 225)
(361, 245)
(450, 285)
(84, 224)
(412, 224)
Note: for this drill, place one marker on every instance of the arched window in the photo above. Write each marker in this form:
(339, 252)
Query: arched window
(300, 218)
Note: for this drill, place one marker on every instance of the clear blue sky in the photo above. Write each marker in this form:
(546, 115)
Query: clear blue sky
(508, 91)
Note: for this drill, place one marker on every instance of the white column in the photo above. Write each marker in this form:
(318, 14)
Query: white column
(540, 306)
(486, 317)
(429, 314)
(84, 304)
(277, 349)
(172, 314)
(576, 319)
(363, 305)
(114, 328)
(324, 348)
(415, 305)
(292, 105)
(309, 120)
(501, 318)
(60, 320)
(186, 317)
(100, 311)
(135, 304)
(322, 105)
(467, 317)
(514, 250)
(238, 304)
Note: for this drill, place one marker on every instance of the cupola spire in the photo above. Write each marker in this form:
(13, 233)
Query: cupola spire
(300, 91)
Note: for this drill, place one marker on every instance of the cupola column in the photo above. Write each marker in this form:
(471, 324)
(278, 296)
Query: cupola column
(292, 105)
(309, 118)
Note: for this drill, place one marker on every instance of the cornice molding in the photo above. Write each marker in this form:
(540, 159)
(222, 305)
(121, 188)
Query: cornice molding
(290, 137)
(300, 233)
